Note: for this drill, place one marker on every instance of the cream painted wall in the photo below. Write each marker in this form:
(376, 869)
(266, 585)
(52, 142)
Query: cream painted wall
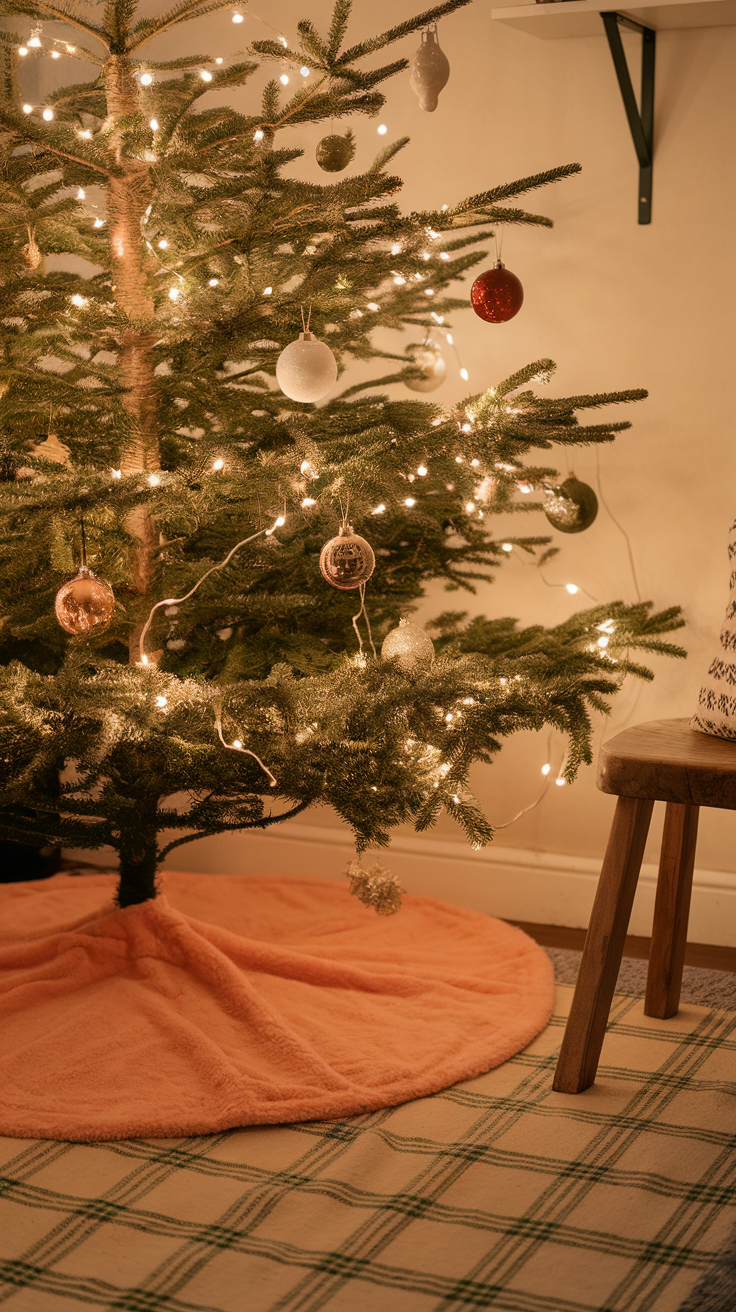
(616, 305)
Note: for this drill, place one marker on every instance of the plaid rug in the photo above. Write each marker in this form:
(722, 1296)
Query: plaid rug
(496, 1193)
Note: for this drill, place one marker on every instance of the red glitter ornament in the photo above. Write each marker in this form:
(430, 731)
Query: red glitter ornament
(497, 294)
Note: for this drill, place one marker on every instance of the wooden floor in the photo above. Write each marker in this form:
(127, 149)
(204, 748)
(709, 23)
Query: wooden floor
(709, 956)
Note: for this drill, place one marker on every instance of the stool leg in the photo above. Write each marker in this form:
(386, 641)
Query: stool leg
(604, 946)
(671, 909)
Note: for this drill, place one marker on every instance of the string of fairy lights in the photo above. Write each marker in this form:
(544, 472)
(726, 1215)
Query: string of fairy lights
(56, 48)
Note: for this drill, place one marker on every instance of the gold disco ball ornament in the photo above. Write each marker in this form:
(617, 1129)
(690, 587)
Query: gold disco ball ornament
(347, 560)
(410, 646)
(572, 507)
(334, 152)
(85, 603)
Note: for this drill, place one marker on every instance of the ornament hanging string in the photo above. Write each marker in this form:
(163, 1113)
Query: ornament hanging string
(305, 326)
(179, 601)
(499, 245)
(84, 542)
(355, 618)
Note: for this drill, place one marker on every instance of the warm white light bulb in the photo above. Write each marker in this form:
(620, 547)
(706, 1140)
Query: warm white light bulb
(396, 248)
(35, 42)
(161, 702)
(22, 50)
(236, 741)
(267, 291)
(546, 769)
(55, 54)
(429, 291)
(422, 470)
(258, 134)
(373, 306)
(28, 109)
(284, 79)
(116, 473)
(237, 18)
(154, 124)
(475, 463)
(470, 506)
(163, 244)
(378, 510)
(604, 641)
(154, 479)
(382, 129)
(48, 114)
(174, 293)
(444, 255)
(467, 428)
(507, 546)
(399, 281)
(560, 782)
(86, 135)
(78, 300)
(458, 460)
(309, 501)
(284, 42)
(146, 79)
(464, 375)
(214, 282)
(71, 50)
(450, 339)
(98, 223)
(81, 194)
(304, 71)
(205, 75)
(218, 464)
(219, 60)
(410, 502)
(572, 588)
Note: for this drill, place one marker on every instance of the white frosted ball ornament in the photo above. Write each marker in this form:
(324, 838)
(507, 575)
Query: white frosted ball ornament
(306, 370)
(410, 646)
(347, 560)
(433, 367)
(430, 70)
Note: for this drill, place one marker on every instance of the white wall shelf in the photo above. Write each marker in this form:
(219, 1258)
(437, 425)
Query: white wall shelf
(583, 18)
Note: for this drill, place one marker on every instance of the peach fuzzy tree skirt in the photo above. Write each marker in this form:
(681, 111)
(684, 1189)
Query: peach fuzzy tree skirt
(238, 1000)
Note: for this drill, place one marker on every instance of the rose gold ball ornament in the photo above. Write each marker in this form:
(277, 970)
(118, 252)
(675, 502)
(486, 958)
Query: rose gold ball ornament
(347, 560)
(306, 370)
(430, 70)
(433, 367)
(85, 603)
(410, 646)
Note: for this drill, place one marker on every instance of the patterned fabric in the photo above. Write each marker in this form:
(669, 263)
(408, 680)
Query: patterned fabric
(497, 1193)
(716, 713)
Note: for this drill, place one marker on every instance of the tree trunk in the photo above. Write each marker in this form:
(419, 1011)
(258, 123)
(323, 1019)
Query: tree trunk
(127, 201)
(138, 861)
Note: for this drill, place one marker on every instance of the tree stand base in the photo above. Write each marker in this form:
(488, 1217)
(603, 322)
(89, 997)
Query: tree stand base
(236, 1000)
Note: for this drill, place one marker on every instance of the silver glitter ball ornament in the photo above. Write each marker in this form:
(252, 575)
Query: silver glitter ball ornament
(347, 560)
(85, 603)
(572, 507)
(334, 152)
(410, 646)
(306, 370)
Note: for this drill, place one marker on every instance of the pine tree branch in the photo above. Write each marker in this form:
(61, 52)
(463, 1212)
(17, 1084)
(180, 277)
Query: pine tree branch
(44, 9)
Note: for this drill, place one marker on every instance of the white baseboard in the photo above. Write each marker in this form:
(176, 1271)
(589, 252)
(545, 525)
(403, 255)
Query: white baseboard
(513, 883)
(509, 882)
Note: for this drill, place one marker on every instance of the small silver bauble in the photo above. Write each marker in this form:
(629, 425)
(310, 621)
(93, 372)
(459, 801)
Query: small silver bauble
(430, 70)
(433, 367)
(347, 560)
(410, 646)
(334, 152)
(85, 603)
(306, 369)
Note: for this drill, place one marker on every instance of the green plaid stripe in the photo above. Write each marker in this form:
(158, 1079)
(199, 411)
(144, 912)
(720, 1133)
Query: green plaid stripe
(498, 1193)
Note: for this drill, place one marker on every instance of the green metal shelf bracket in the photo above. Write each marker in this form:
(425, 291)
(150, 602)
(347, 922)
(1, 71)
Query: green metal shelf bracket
(640, 122)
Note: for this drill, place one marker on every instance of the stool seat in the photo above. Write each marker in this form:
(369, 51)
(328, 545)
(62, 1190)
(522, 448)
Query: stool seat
(667, 761)
(662, 761)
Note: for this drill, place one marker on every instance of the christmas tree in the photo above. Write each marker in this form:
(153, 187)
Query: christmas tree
(144, 437)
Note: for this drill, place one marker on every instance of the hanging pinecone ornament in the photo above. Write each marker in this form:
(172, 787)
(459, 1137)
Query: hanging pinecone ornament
(430, 70)
(429, 359)
(334, 152)
(410, 646)
(571, 507)
(31, 253)
(306, 370)
(497, 294)
(85, 603)
(347, 560)
(376, 887)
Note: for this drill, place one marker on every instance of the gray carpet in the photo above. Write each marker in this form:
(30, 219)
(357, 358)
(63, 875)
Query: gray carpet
(705, 988)
(716, 1289)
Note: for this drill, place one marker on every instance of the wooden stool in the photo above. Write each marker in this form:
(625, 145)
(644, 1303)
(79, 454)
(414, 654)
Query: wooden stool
(663, 761)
